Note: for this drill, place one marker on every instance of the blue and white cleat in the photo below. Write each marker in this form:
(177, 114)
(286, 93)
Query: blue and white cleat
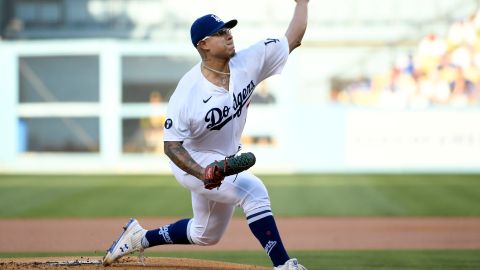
(128, 242)
(291, 264)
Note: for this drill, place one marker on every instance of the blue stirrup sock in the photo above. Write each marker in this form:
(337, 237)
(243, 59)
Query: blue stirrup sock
(176, 233)
(265, 230)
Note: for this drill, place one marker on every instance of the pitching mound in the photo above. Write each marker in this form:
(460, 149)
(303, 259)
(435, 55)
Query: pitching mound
(130, 263)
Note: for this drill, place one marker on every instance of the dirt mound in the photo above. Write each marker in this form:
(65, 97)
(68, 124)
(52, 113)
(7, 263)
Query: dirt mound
(130, 263)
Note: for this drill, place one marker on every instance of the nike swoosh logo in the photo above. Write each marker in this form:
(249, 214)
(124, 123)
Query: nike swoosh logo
(206, 100)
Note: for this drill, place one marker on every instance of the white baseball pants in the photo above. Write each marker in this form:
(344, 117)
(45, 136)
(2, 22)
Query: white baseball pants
(213, 209)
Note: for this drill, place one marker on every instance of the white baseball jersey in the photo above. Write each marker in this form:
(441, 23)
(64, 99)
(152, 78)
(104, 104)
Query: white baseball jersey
(208, 118)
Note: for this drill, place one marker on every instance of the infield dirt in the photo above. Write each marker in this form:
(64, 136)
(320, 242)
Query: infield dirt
(310, 233)
(129, 263)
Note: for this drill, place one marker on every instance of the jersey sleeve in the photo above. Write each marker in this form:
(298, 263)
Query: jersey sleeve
(274, 53)
(176, 126)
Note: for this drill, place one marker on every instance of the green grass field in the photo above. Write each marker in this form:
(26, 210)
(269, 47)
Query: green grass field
(292, 195)
(296, 195)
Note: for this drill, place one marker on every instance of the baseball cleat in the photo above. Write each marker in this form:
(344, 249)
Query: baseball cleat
(291, 264)
(128, 242)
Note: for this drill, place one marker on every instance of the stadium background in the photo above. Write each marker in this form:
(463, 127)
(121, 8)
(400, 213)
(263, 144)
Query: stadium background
(85, 85)
(375, 115)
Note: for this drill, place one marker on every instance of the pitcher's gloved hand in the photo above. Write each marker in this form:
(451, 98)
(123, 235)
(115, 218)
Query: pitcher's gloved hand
(216, 171)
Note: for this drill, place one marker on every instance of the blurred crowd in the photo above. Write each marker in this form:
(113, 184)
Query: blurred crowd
(441, 71)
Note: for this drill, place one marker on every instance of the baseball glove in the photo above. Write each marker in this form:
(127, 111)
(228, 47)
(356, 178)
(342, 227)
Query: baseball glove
(216, 171)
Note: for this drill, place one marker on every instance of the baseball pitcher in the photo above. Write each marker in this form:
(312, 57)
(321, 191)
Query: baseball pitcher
(205, 119)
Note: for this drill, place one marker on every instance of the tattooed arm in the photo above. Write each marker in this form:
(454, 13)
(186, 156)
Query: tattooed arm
(179, 155)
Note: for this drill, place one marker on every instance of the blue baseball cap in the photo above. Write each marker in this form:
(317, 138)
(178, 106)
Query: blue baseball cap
(207, 25)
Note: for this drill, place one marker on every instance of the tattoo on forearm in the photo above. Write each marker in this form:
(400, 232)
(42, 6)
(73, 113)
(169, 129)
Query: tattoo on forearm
(177, 153)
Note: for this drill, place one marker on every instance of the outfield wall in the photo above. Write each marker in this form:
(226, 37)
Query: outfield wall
(314, 140)
(44, 129)
(360, 140)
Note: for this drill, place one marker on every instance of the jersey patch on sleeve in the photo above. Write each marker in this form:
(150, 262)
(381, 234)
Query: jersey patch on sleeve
(168, 123)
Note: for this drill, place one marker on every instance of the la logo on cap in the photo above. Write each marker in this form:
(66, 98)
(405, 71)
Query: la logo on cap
(216, 18)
